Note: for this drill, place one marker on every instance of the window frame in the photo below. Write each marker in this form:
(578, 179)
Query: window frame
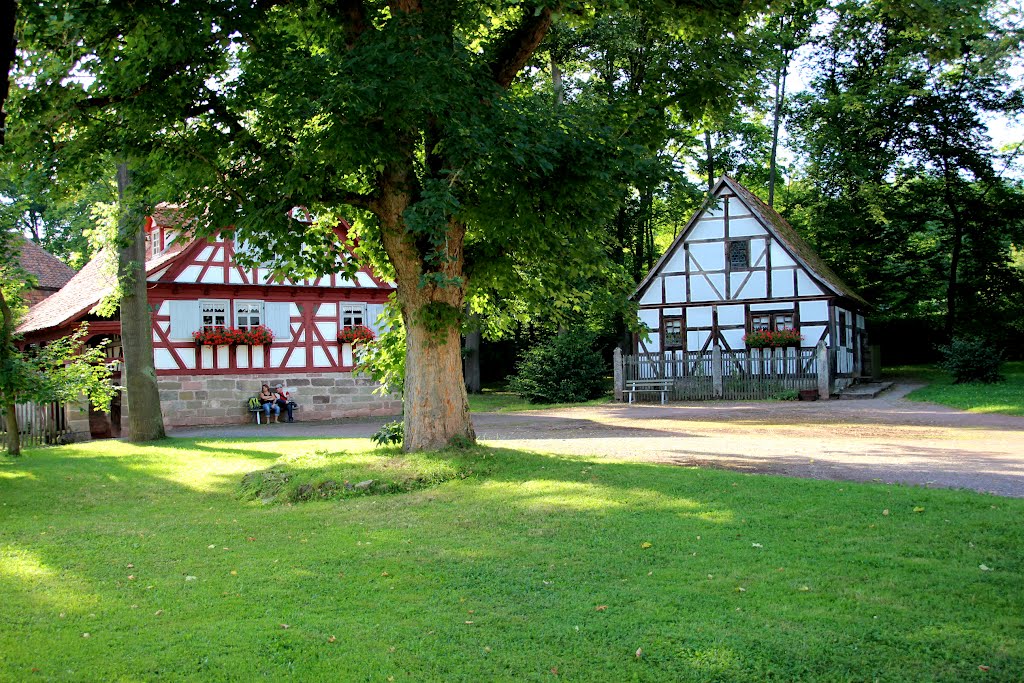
(728, 254)
(773, 316)
(248, 302)
(664, 333)
(227, 314)
(343, 308)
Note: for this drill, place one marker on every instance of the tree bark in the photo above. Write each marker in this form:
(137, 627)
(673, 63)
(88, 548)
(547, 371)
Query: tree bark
(471, 357)
(780, 98)
(710, 151)
(436, 408)
(8, 43)
(952, 285)
(6, 351)
(145, 418)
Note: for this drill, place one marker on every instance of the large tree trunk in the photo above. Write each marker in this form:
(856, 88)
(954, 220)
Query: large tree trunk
(8, 43)
(952, 284)
(145, 418)
(436, 408)
(709, 151)
(6, 353)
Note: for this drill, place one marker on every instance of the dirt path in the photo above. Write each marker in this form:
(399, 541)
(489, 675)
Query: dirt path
(883, 439)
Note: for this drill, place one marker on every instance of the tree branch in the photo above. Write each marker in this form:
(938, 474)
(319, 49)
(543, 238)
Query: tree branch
(7, 56)
(519, 45)
(353, 15)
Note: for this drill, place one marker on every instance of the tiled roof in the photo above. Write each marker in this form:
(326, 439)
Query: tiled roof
(50, 271)
(84, 291)
(785, 232)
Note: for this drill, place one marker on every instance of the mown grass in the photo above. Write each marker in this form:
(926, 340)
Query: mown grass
(1004, 397)
(498, 400)
(534, 566)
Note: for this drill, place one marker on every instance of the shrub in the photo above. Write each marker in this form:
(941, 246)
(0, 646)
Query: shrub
(563, 369)
(390, 433)
(972, 359)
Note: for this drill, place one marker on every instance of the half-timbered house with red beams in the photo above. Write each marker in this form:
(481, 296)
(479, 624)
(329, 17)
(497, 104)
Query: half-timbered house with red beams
(739, 267)
(197, 285)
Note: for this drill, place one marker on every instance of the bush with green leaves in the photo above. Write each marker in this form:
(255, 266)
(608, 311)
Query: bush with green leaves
(562, 369)
(972, 359)
(389, 434)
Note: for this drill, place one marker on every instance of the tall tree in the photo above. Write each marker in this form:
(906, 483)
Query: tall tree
(145, 417)
(899, 104)
(406, 109)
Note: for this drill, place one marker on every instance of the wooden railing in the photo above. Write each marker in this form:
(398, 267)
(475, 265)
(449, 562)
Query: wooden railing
(39, 424)
(701, 375)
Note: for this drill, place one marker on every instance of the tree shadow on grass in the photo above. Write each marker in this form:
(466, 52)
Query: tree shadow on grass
(514, 559)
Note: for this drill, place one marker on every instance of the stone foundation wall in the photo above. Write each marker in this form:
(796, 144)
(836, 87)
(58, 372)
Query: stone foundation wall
(208, 400)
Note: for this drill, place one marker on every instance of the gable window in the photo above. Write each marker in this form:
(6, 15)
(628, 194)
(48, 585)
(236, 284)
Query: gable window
(248, 314)
(673, 333)
(739, 254)
(214, 314)
(352, 316)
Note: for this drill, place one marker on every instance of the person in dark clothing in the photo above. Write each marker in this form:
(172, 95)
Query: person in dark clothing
(285, 403)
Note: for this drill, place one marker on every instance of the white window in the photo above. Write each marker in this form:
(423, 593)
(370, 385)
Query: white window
(248, 314)
(214, 313)
(352, 315)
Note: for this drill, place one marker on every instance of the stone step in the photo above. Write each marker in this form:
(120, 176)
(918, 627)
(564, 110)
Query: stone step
(864, 390)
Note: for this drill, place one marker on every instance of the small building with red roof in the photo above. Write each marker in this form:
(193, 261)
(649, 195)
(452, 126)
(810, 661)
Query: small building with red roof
(196, 285)
(50, 272)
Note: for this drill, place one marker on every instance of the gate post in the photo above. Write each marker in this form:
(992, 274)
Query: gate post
(823, 370)
(619, 376)
(716, 370)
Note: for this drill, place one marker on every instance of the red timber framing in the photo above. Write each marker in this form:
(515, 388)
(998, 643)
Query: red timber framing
(304, 315)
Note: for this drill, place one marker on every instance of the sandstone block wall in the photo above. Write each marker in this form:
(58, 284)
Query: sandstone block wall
(207, 400)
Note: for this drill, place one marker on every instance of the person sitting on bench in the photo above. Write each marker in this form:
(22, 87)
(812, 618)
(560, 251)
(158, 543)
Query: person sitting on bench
(284, 402)
(268, 401)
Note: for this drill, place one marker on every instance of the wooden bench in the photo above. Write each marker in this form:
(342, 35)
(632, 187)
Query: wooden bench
(662, 385)
(259, 411)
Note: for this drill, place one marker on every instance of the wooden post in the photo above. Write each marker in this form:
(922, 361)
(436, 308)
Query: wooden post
(617, 373)
(716, 370)
(823, 371)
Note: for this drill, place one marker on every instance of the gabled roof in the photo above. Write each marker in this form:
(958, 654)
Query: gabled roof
(50, 271)
(777, 226)
(84, 291)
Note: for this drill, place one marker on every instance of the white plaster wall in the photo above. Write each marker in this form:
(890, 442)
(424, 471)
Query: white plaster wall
(709, 255)
(675, 289)
(805, 286)
(745, 227)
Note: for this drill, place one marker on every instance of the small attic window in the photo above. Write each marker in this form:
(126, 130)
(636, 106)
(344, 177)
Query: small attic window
(739, 254)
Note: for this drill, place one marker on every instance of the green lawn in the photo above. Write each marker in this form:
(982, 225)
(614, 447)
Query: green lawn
(494, 565)
(496, 400)
(1005, 397)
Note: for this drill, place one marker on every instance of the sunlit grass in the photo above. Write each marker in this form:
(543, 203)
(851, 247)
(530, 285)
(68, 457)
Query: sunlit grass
(1004, 397)
(527, 565)
(498, 400)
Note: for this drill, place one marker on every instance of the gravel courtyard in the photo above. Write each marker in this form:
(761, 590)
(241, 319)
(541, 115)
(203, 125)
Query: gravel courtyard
(884, 439)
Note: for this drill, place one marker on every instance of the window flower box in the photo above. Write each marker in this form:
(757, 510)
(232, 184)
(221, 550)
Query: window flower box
(357, 334)
(229, 336)
(772, 339)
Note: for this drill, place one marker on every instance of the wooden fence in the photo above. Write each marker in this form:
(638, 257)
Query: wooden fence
(711, 374)
(39, 424)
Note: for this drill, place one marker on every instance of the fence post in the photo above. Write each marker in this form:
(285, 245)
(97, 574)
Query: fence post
(716, 370)
(619, 376)
(823, 370)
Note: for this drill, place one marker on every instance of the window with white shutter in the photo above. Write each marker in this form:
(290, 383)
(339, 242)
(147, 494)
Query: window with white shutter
(185, 319)
(277, 317)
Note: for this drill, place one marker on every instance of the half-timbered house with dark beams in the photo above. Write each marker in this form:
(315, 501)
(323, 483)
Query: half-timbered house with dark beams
(196, 284)
(738, 266)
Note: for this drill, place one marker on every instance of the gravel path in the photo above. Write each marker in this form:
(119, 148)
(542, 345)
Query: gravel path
(883, 439)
